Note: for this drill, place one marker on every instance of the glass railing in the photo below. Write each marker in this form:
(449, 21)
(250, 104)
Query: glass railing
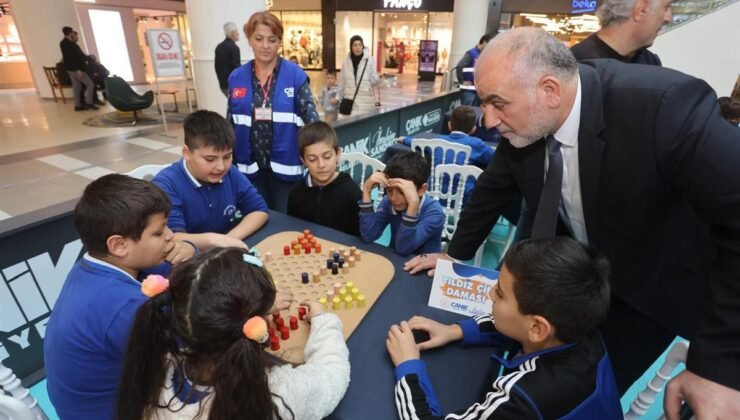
(687, 10)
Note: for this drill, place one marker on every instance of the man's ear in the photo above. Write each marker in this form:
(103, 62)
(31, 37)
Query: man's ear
(117, 246)
(640, 9)
(540, 329)
(551, 87)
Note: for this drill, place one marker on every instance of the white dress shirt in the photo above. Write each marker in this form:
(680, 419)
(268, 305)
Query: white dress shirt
(572, 204)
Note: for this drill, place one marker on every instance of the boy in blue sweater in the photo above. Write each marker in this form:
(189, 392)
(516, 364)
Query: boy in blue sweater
(550, 297)
(416, 220)
(122, 222)
(462, 127)
(213, 204)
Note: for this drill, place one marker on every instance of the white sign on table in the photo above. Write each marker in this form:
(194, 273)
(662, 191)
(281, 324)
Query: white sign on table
(462, 289)
(166, 51)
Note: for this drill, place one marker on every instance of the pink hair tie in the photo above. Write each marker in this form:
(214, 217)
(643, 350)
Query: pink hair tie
(255, 329)
(154, 284)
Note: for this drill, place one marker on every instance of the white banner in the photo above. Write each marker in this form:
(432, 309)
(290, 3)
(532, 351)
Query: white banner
(166, 51)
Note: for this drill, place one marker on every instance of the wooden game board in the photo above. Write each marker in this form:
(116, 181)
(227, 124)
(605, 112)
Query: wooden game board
(370, 275)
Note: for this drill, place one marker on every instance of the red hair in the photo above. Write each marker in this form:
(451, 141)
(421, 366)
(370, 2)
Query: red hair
(264, 18)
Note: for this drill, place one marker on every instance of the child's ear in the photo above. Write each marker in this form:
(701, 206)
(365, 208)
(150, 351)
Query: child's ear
(423, 189)
(540, 330)
(117, 246)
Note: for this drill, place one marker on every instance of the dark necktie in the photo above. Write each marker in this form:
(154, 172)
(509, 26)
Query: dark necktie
(546, 218)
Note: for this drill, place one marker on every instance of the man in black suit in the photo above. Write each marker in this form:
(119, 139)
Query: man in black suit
(75, 64)
(228, 56)
(640, 152)
(628, 28)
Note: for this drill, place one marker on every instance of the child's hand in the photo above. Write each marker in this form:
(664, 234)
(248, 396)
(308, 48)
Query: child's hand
(377, 178)
(401, 345)
(181, 251)
(283, 299)
(217, 240)
(439, 334)
(314, 308)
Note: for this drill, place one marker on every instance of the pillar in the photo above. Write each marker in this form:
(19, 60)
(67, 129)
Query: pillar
(207, 19)
(469, 24)
(40, 24)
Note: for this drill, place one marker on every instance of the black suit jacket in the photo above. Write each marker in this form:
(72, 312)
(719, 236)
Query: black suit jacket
(660, 186)
(72, 56)
(228, 58)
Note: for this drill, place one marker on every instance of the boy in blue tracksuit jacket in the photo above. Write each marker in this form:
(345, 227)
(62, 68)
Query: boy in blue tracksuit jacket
(551, 295)
(416, 220)
(462, 126)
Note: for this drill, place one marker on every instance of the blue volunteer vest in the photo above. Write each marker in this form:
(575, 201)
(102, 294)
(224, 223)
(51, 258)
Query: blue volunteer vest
(284, 161)
(469, 72)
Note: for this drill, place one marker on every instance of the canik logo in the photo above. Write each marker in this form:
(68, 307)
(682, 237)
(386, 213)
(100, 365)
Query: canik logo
(28, 292)
(432, 117)
(289, 92)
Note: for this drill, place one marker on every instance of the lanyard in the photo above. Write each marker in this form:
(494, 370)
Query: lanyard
(265, 91)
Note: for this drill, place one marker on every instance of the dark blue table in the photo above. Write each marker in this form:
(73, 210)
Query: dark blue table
(459, 375)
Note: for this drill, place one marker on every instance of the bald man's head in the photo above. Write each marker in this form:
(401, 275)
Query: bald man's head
(527, 81)
(532, 52)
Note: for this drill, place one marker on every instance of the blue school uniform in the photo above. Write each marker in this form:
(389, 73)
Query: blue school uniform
(202, 207)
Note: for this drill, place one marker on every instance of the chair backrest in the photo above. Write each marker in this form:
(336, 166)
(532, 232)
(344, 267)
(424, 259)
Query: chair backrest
(450, 181)
(146, 172)
(441, 152)
(348, 162)
(52, 77)
(19, 404)
(643, 401)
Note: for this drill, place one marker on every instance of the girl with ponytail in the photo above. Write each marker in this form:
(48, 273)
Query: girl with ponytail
(196, 349)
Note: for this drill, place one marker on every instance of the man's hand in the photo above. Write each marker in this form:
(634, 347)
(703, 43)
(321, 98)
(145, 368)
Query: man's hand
(410, 193)
(439, 334)
(217, 240)
(424, 262)
(708, 399)
(400, 344)
(283, 299)
(180, 251)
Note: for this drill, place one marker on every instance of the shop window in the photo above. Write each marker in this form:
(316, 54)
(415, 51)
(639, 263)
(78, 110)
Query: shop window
(11, 48)
(302, 38)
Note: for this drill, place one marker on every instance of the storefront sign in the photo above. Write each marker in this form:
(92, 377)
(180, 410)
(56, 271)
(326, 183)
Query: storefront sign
(462, 289)
(32, 272)
(402, 4)
(166, 50)
(583, 6)
(421, 118)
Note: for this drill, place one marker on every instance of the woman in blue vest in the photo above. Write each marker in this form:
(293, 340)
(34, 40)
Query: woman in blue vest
(269, 101)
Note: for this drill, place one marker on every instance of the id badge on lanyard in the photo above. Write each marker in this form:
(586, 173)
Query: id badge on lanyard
(264, 113)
